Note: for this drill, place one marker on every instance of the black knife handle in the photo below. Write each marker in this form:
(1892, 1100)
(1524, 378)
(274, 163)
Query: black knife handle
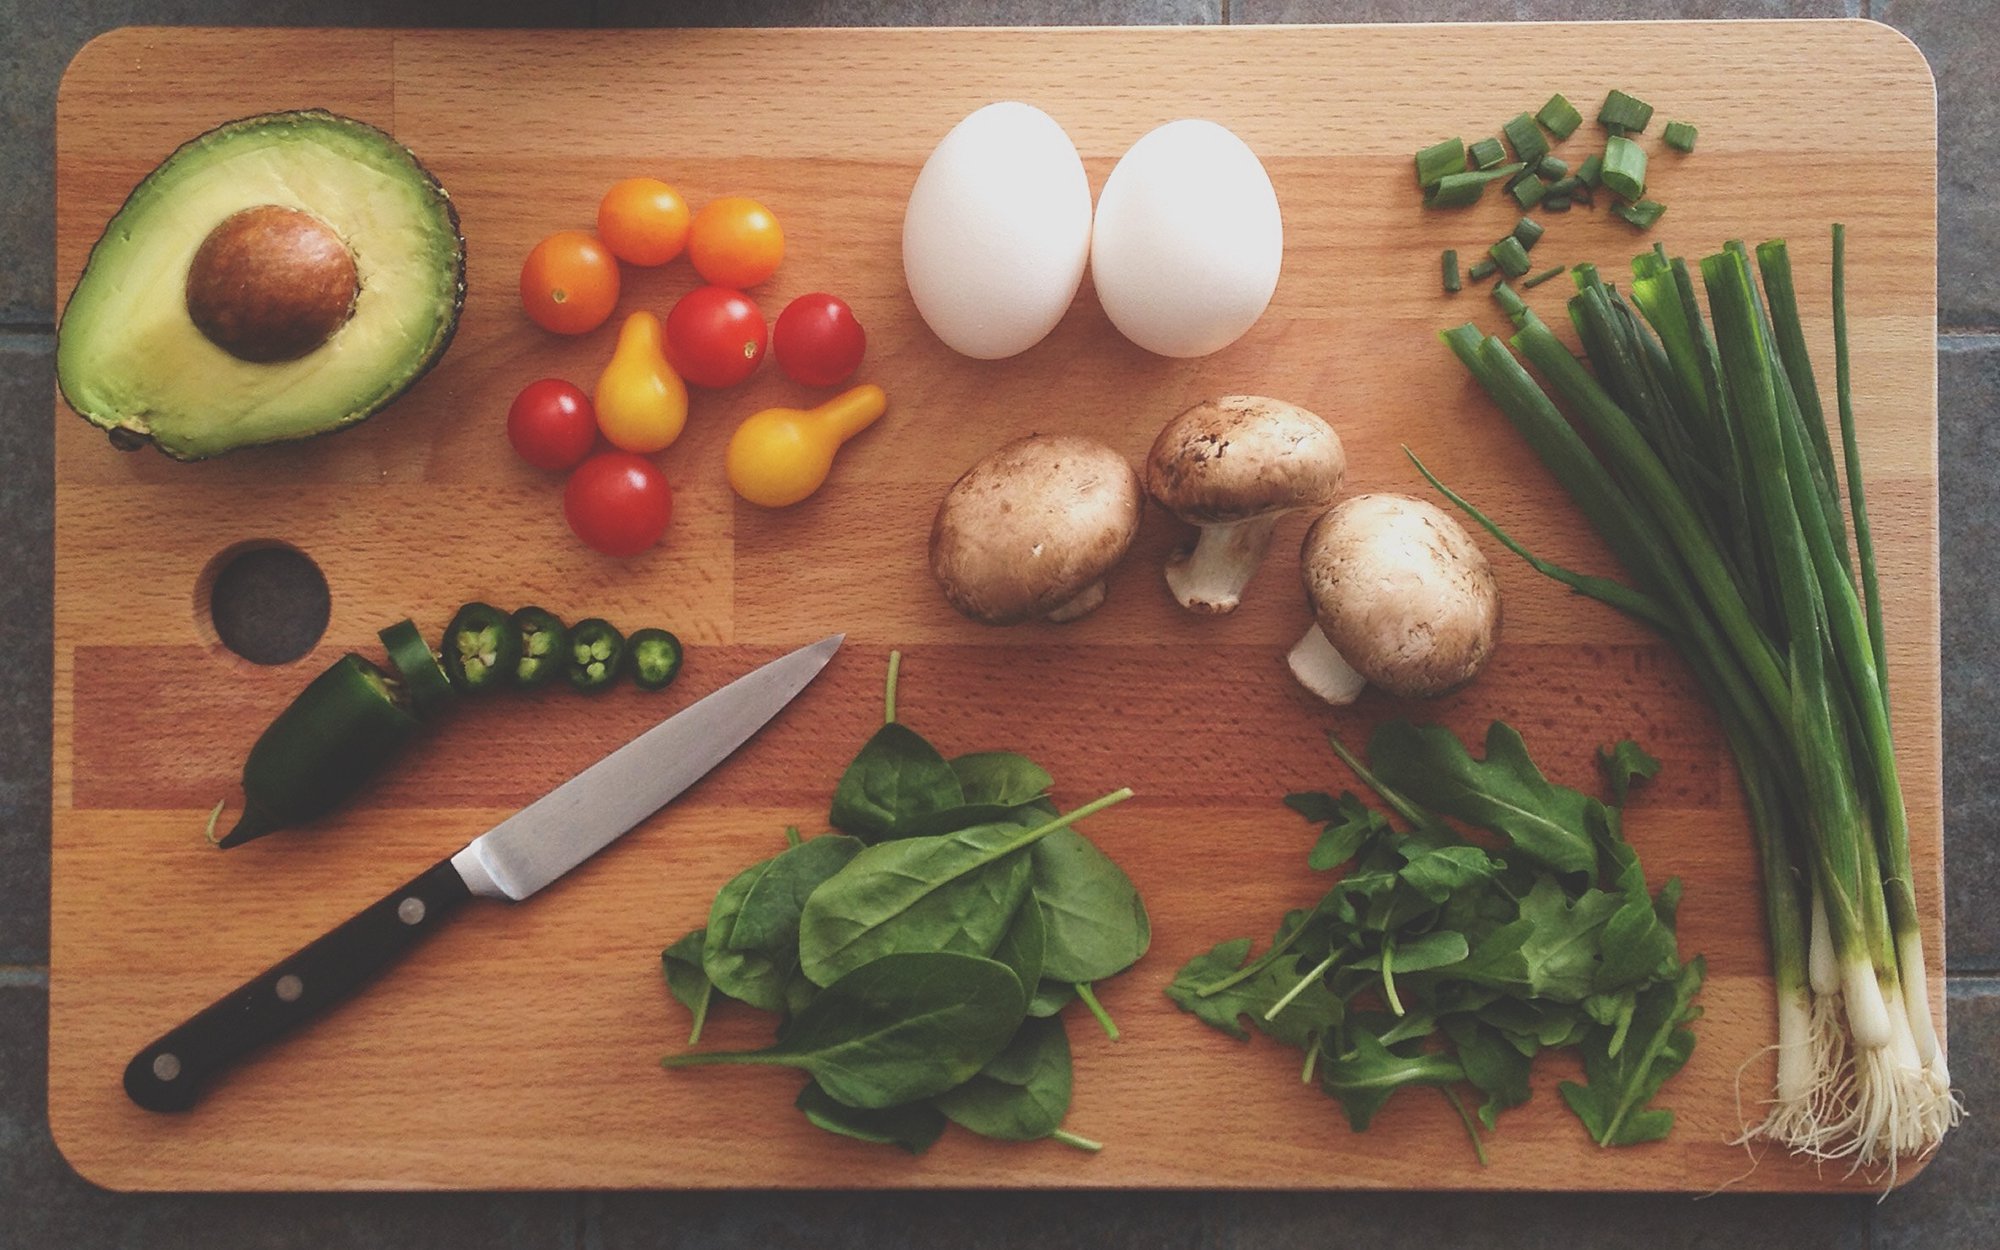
(169, 1074)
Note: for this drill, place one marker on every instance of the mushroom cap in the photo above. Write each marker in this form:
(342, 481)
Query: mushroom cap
(1242, 456)
(1032, 525)
(1403, 593)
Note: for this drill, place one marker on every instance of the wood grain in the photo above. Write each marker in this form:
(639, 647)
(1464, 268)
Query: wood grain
(519, 1049)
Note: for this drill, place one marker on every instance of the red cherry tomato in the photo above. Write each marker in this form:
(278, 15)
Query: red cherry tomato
(618, 503)
(817, 340)
(715, 336)
(552, 425)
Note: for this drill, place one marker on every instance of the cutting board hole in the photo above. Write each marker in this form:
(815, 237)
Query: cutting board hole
(265, 601)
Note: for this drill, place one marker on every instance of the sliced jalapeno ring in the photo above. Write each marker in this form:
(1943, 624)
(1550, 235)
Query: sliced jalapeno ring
(655, 658)
(544, 647)
(596, 655)
(418, 666)
(481, 649)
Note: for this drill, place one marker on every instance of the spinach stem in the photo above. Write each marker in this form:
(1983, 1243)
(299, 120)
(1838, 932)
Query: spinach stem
(1089, 997)
(701, 1012)
(889, 688)
(1071, 1139)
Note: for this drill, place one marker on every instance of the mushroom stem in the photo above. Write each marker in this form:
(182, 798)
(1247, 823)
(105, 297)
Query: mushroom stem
(1210, 576)
(1083, 604)
(1321, 668)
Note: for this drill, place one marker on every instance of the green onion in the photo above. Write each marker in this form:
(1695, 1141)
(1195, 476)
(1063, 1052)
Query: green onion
(1510, 256)
(1526, 138)
(1528, 231)
(1486, 153)
(1560, 116)
(1552, 168)
(1624, 114)
(1451, 281)
(1568, 186)
(1624, 167)
(1543, 276)
(1642, 215)
(1554, 203)
(1484, 269)
(1510, 303)
(1679, 136)
(1439, 159)
(1591, 169)
(1458, 190)
(1529, 190)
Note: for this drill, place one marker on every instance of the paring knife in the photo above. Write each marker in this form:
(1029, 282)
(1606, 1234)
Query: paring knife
(511, 861)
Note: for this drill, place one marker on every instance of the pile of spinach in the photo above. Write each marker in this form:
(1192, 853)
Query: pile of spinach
(1434, 961)
(919, 957)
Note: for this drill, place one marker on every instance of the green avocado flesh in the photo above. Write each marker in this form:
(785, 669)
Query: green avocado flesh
(130, 358)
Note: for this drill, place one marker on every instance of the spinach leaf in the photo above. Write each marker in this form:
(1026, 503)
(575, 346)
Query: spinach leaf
(1023, 1093)
(1097, 925)
(690, 986)
(753, 926)
(897, 780)
(914, 1126)
(1000, 778)
(957, 892)
(1612, 1100)
(1504, 792)
(1051, 997)
(1022, 947)
(901, 1028)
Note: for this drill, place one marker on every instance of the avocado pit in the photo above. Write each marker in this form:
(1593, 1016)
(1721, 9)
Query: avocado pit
(271, 284)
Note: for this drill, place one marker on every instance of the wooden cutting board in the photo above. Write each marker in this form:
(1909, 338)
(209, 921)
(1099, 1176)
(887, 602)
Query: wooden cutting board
(519, 1048)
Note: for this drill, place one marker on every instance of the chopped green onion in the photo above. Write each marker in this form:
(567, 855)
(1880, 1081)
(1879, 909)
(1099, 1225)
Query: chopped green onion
(1680, 136)
(1526, 138)
(1530, 190)
(1560, 116)
(1624, 167)
(1567, 186)
(1484, 269)
(1554, 203)
(1551, 167)
(1486, 153)
(1543, 276)
(1458, 190)
(1623, 114)
(1643, 214)
(1510, 303)
(1591, 169)
(1510, 256)
(1528, 230)
(1439, 159)
(1451, 282)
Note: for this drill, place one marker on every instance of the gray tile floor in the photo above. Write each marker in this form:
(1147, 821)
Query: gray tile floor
(1956, 1203)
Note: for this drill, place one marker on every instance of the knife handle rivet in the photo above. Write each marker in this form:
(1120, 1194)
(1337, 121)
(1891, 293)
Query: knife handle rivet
(289, 987)
(410, 910)
(166, 1065)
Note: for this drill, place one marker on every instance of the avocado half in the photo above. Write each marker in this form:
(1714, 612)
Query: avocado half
(277, 278)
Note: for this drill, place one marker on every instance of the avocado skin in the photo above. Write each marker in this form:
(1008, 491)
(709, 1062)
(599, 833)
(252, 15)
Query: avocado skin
(130, 433)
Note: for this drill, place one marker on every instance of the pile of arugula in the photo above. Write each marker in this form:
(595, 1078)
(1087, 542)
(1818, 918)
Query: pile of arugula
(1434, 961)
(919, 958)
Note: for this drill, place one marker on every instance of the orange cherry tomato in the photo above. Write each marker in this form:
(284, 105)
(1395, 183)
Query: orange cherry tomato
(569, 283)
(643, 221)
(735, 242)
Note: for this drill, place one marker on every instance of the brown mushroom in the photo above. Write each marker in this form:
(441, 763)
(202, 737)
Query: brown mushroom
(1233, 466)
(1403, 599)
(1031, 530)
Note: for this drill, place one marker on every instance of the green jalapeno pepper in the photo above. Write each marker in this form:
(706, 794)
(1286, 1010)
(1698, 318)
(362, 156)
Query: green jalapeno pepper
(596, 654)
(655, 658)
(337, 733)
(417, 665)
(481, 649)
(544, 647)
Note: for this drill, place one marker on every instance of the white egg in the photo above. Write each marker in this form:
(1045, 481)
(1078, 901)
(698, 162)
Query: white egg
(997, 231)
(1188, 240)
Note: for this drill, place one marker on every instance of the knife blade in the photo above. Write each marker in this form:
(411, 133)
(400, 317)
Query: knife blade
(509, 862)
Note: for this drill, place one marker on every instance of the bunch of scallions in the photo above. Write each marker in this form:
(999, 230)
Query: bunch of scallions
(1703, 459)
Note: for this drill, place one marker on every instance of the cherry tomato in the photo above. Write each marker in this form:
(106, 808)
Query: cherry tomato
(643, 221)
(552, 425)
(715, 336)
(735, 242)
(618, 503)
(569, 283)
(817, 340)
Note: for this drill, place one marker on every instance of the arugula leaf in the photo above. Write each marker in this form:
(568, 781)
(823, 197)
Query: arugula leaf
(1023, 1094)
(1349, 824)
(1363, 1077)
(1497, 1067)
(914, 1126)
(690, 986)
(1097, 924)
(1625, 764)
(897, 780)
(1612, 1101)
(1504, 792)
(1314, 1012)
(1448, 870)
